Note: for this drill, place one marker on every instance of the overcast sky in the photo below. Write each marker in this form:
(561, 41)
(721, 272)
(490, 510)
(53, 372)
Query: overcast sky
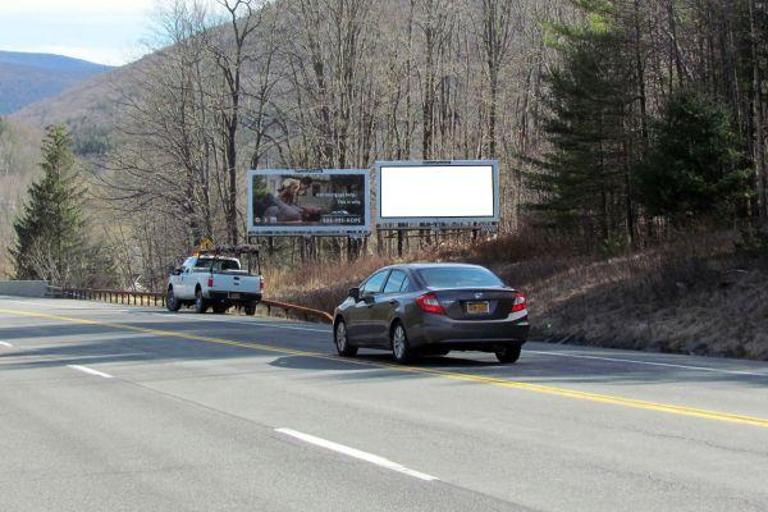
(103, 31)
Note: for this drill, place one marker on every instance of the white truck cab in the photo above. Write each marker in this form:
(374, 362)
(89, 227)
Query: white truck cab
(212, 281)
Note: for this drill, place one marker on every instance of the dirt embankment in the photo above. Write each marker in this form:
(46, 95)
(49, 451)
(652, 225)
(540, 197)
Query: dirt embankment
(696, 295)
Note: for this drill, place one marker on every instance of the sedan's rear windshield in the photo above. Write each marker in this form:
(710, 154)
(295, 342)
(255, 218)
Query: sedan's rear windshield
(459, 277)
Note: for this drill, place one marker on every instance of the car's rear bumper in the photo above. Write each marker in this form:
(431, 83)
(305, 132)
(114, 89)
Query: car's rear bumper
(469, 334)
(234, 297)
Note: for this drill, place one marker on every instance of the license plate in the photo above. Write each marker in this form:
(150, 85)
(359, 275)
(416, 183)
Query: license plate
(478, 308)
(234, 295)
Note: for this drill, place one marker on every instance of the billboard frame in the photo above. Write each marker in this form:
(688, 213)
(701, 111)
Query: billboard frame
(453, 222)
(316, 230)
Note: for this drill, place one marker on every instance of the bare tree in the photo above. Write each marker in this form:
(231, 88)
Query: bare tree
(231, 52)
(496, 25)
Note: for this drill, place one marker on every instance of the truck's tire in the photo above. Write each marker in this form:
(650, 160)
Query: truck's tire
(201, 305)
(220, 309)
(171, 302)
(250, 309)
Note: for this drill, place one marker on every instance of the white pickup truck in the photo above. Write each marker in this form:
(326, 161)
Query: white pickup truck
(213, 281)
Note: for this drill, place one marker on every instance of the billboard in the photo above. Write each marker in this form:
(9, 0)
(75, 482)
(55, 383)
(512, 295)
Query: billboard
(308, 202)
(451, 192)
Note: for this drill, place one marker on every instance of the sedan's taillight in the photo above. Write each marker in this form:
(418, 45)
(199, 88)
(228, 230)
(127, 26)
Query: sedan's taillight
(428, 303)
(520, 303)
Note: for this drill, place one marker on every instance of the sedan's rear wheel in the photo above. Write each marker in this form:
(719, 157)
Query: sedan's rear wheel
(341, 338)
(509, 355)
(401, 349)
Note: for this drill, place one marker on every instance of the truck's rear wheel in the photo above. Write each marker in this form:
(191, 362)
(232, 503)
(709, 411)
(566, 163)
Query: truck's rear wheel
(171, 302)
(250, 309)
(220, 309)
(200, 302)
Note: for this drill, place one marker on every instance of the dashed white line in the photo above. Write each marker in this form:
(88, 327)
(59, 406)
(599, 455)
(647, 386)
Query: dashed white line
(89, 371)
(648, 363)
(355, 453)
(5, 344)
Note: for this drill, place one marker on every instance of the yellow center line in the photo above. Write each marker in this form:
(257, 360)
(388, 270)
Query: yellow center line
(466, 377)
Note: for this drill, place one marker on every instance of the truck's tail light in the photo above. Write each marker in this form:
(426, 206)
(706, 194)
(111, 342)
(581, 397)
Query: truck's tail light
(262, 284)
(520, 303)
(428, 303)
(210, 282)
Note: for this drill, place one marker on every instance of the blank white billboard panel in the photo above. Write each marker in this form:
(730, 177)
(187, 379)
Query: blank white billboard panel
(452, 192)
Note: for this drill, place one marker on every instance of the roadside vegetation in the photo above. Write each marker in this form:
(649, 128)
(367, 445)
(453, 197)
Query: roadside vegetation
(703, 292)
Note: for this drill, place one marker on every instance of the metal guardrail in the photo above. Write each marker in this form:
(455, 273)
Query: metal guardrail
(302, 311)
(129, 297)
(135, 298)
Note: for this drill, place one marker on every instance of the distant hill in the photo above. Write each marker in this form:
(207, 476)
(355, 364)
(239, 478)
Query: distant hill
(29, 77)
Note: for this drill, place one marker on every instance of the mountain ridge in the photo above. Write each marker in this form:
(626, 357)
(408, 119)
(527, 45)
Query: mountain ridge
(26, 78)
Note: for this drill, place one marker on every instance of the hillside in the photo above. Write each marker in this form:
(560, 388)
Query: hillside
(29, 77)
(703, 293)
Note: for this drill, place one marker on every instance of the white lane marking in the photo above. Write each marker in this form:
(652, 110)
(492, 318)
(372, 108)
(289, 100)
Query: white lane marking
(90, 371)
(72, 304)
(282, 326)
(54, 303)
(53, 359)
(357, 454)
(256, 323)
(5, 344)
(648, 363)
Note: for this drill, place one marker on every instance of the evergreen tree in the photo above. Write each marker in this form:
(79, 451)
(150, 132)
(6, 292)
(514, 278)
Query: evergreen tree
(589, 100)
(51, 237)
(693, 166)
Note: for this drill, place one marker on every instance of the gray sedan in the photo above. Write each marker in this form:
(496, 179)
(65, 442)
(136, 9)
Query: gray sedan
(432, 308)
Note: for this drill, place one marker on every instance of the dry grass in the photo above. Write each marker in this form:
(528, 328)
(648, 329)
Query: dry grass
(693, 295)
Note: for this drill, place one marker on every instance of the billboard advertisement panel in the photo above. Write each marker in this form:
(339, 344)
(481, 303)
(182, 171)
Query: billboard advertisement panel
(452, 192)
(308, 202)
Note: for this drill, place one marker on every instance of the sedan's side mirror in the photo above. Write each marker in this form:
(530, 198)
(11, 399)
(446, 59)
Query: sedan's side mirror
(354, 293)
(177, 271)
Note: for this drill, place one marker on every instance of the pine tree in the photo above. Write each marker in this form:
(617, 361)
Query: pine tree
(51, 238)
(590, 97)
(694, 166)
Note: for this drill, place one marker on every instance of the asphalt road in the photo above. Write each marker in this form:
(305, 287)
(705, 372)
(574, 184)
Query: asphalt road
(108, 408)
